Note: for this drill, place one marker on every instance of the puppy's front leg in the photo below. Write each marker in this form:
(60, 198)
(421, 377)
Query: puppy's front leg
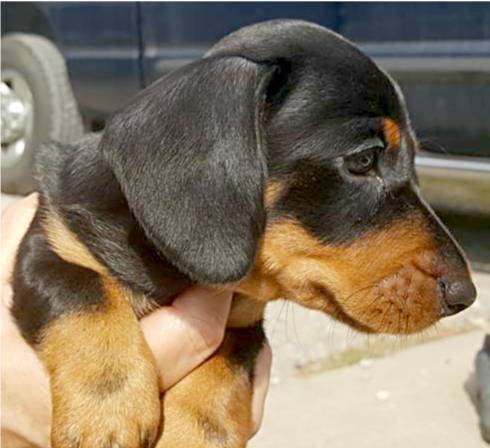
(103, 381)
(211, 407)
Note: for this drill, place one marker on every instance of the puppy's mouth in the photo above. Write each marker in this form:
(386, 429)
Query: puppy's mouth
(405, 302)
(333, 307)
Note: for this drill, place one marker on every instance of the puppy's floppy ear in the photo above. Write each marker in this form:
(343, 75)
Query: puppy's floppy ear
(188, 155)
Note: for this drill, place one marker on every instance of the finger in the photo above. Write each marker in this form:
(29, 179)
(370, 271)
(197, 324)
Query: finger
(14, 223)
(183, 335)
(261, 385)
(26, 404)
(27, 205)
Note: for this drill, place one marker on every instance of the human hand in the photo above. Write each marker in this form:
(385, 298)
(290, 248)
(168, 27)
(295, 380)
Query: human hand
(195, 323)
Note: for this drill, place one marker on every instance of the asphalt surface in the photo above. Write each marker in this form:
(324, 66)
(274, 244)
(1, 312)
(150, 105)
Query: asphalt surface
(414, 398)
(333, 387)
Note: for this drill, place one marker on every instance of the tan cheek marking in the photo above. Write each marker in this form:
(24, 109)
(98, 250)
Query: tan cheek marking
(391, 133)
(374, 256)
(293, 264)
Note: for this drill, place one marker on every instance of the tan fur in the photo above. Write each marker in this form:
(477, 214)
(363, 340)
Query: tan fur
(273, 192)
(245, 312)
(392, 133)
(383, 282)
(68, 247)
(210, 407)
(66, 244)
(103, 380)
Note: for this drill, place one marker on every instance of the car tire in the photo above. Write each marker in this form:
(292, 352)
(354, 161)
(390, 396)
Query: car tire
(35, 63)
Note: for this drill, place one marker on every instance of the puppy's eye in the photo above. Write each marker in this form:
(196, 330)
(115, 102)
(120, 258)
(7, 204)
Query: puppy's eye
(361, 162)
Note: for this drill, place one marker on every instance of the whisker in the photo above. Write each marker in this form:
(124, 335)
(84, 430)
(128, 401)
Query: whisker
(360, 290)
(364, 317)
(295, 327)
(286, 320)
(273, 331)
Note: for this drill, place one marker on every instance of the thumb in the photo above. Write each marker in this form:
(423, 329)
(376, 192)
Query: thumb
(183, 335)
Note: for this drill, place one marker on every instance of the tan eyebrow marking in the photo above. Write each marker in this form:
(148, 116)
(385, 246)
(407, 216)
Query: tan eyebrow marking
(392, 133)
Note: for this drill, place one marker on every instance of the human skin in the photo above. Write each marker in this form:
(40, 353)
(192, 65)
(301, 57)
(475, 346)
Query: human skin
(194, 323)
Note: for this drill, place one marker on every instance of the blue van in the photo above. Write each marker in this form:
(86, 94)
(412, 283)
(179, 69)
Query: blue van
(67, 66)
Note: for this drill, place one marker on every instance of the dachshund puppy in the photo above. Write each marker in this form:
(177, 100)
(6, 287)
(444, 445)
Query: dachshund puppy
(279, 165)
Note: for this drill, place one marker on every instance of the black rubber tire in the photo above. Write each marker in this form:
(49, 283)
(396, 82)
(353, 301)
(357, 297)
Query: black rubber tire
(56, 115)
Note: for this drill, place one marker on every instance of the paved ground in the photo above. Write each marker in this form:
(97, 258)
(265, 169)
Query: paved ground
(383, 391)
(387, 395)
(307, 341)
(415, 398)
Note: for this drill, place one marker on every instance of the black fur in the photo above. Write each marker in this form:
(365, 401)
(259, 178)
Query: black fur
(188, 154)
(246, 345)
(46, 287)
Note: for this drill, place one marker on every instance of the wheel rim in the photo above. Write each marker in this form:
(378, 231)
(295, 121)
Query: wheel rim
(17, 116)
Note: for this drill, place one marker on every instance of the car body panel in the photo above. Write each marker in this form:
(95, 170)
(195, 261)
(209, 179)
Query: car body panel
(100, 42)
(439, 52)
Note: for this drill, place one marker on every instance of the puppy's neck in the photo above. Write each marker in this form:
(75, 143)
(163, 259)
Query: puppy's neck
(245, 312)
(251, 296)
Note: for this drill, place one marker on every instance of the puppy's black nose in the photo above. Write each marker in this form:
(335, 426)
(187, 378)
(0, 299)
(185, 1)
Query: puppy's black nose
(457, 295)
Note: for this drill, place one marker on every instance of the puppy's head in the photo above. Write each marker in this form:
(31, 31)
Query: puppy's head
(283, 162)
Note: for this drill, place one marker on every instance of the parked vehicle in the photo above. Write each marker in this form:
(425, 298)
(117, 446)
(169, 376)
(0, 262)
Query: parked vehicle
(439, 52)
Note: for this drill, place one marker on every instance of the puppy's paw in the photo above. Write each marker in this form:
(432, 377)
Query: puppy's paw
(115, 415)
